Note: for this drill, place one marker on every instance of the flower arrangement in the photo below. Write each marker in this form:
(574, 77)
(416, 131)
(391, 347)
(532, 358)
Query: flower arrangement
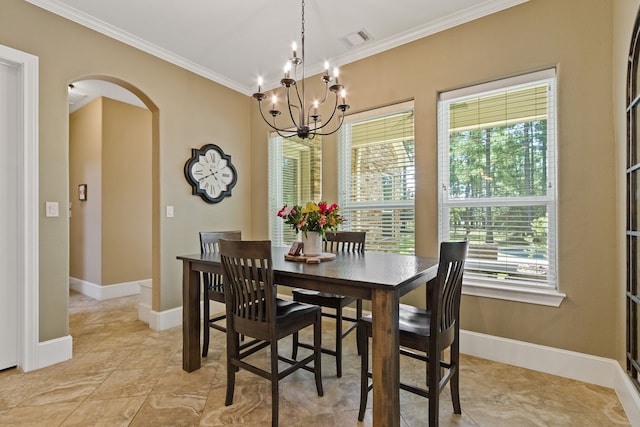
(318, 217)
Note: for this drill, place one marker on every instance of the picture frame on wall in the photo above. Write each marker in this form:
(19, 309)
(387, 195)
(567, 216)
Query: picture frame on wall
(82, 192)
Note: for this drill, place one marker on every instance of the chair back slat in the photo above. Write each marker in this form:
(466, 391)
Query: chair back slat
(345, 241)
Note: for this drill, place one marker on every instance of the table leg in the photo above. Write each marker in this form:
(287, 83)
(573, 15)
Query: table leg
(190, 318)
(386, 359)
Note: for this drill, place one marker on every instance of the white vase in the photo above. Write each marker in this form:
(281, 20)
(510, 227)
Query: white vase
(311, 243)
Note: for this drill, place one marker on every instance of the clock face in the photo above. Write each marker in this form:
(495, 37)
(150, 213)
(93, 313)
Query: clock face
(210, 173)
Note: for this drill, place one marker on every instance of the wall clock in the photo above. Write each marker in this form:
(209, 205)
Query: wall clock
(210, 173)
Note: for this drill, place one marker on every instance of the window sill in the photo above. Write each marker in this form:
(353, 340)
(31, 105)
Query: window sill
(551, 298)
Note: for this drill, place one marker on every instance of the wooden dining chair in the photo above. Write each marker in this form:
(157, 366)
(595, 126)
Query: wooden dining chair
(345, 241)
(426, 333)
(254, 310)
(212, 284)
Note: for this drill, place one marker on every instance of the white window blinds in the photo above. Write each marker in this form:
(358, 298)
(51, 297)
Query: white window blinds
(497, 169)
(295, 168)
(377, 177)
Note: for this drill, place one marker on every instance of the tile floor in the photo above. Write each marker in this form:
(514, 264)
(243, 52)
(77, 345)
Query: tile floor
(124, 374)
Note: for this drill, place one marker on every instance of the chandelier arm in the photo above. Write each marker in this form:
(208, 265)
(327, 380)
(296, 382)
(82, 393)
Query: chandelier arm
(272, 126)
(335, 108)
(326, 93)
(333, 131)
(290, 106)
(278, 131)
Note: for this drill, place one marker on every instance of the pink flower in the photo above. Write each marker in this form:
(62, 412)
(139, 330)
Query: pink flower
(285, 211)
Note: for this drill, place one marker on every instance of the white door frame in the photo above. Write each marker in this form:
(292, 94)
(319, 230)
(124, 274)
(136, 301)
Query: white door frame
(28, 175)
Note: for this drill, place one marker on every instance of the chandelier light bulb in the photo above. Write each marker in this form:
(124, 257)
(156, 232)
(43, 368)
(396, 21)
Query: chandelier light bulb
(294, 47)
(287, 69)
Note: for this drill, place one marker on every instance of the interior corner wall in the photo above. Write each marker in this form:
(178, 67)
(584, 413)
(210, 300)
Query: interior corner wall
(126, 193)
(85, 167)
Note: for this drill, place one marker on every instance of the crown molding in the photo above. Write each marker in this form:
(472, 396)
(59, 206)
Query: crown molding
(368, 49)
(108, 30)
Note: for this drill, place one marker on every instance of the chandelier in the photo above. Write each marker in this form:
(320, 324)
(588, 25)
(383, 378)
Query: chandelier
(304, 115)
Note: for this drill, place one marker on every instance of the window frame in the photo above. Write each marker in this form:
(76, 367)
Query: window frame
(345, 167)
(493, 288)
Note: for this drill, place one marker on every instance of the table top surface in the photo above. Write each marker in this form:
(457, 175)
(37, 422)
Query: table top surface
(376, 269)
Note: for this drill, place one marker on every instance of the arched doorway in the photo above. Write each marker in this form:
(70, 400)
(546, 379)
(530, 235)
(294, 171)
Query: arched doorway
(110, 188)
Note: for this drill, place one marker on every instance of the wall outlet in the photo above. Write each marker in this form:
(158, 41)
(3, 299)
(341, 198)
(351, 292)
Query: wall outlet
(169, 211)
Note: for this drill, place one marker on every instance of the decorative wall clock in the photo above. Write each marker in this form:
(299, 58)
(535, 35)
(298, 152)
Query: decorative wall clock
(210, 173)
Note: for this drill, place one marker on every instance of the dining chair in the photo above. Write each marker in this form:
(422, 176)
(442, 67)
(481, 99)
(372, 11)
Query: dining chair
(345, 241)
(254, 310)
(424, 334)
(212, 284)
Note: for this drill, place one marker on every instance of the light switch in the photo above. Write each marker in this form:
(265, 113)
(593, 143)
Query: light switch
(52, 209)
(169, 211)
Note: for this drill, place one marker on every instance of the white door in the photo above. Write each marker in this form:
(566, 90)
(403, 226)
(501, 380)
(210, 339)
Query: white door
(10, 200)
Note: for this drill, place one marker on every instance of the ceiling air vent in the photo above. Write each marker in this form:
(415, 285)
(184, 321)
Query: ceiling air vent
(357, 38)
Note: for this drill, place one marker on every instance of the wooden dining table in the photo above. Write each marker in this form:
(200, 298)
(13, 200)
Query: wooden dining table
(379, 277)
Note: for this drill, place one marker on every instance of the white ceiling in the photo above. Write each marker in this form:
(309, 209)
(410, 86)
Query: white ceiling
(234, 42)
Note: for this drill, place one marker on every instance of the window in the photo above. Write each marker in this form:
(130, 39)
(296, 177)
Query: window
(376, 177)
(497, 168)
(294, 178)
(632, 172)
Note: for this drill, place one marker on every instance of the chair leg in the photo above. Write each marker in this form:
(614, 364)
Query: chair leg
(274, 383)
(454, 382)
(232, 352)
(205, 324)
(433, 381)
(363, 340)
(294, 351)
(358, 316)
(339, 342)
(317, 344)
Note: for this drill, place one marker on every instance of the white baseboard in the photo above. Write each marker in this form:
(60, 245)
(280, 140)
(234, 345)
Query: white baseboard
(144, 306)
(54, 351)
(167, 319)
(569, 364)
(161, 320)
(100, 292)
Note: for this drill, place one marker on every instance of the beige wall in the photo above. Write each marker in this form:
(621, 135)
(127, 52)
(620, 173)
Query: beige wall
(126, 193)
(575, 36)
(110, 232)
(85, 167)
(188, 112)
